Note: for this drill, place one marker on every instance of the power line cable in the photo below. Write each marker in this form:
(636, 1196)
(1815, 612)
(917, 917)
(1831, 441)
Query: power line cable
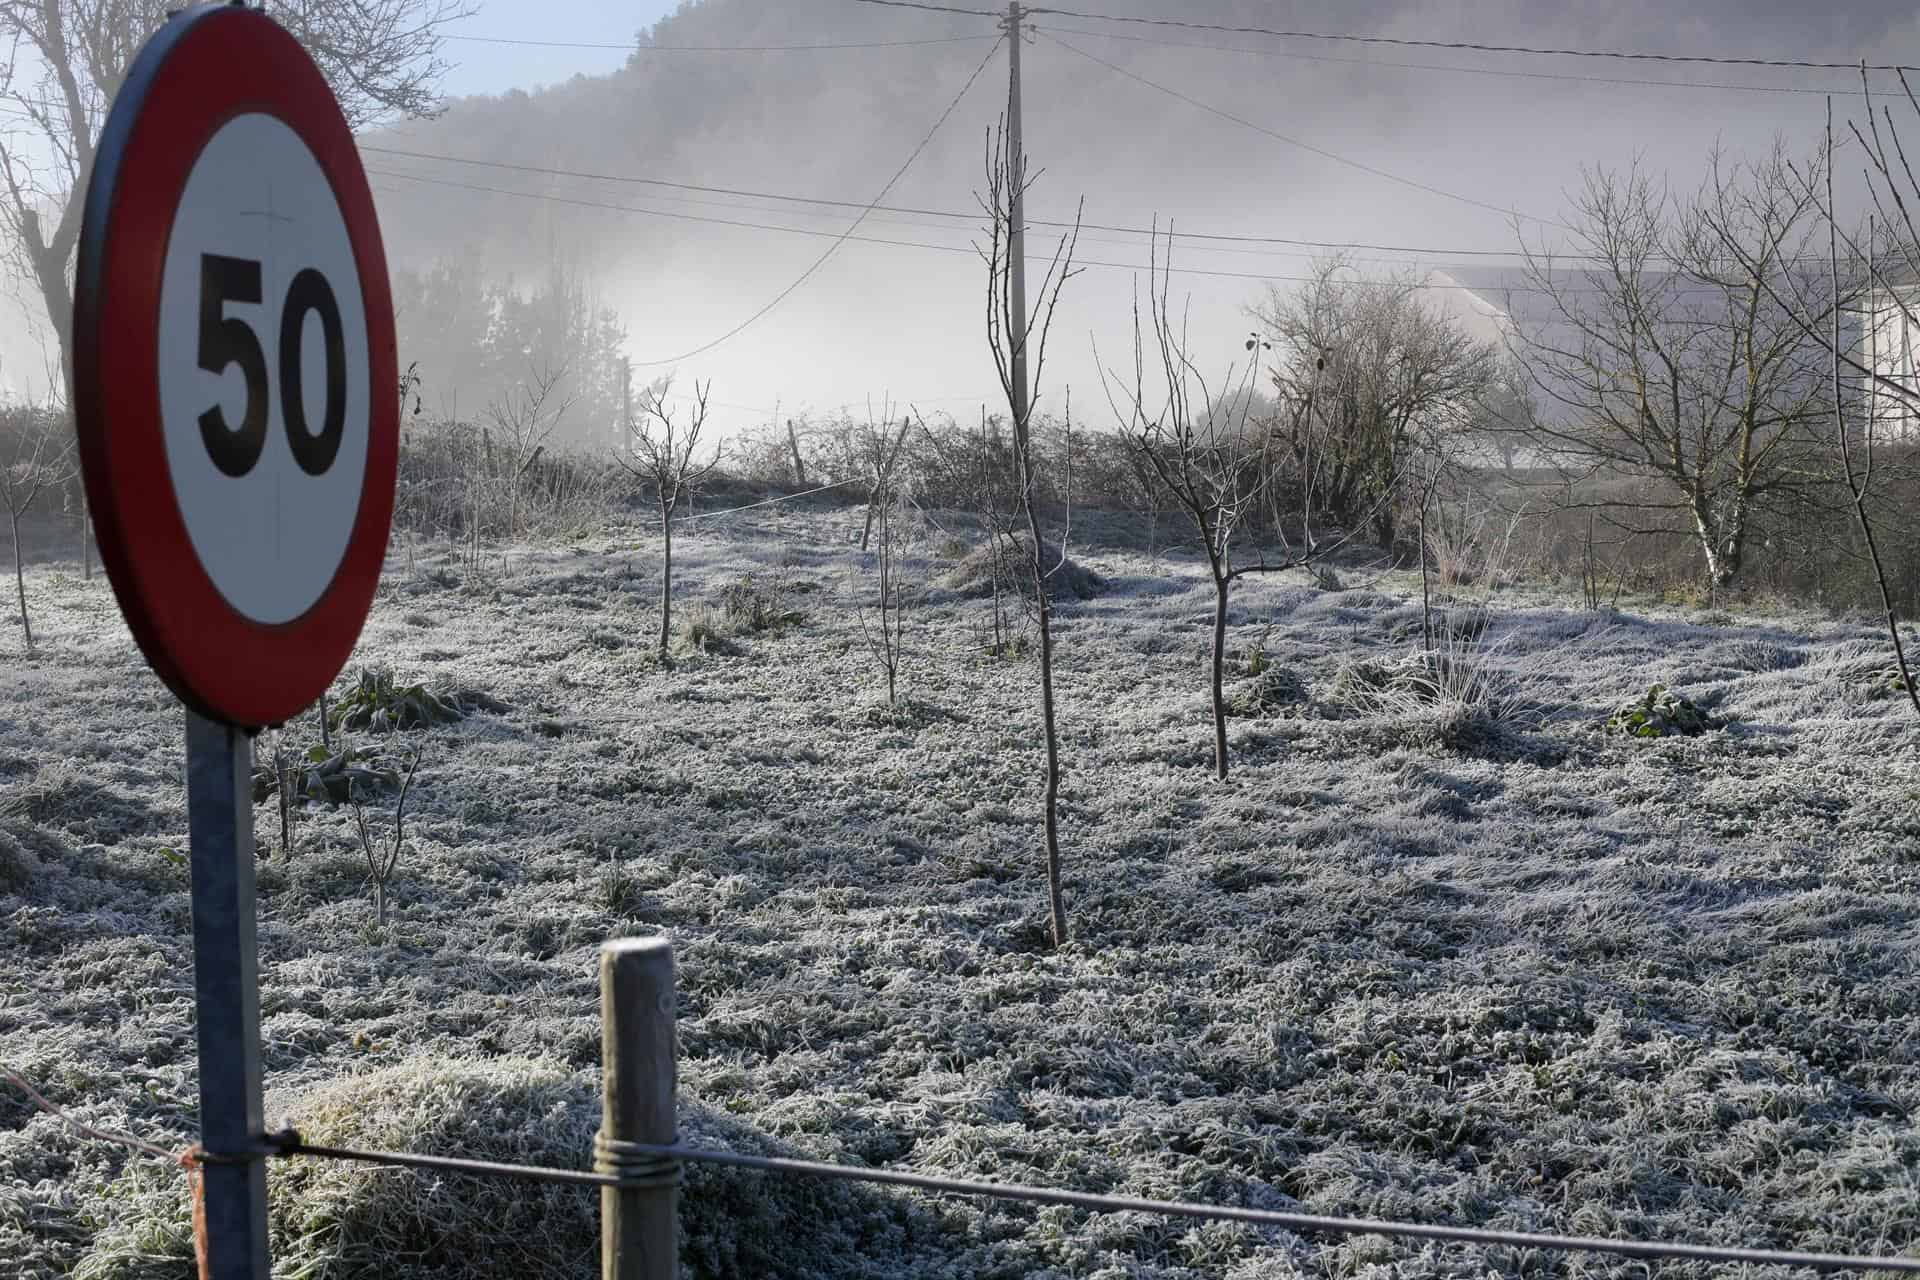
(973, 217)
(821, 261)
(1322, 152)
(841, 237)
(1467, 46)
(1438, 66)
(1238, 245)
(635, 47)
(933, 8)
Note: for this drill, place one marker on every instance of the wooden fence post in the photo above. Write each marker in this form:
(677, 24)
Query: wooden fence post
(639, 1238)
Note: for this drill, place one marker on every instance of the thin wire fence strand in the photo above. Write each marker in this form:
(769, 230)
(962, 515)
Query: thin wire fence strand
(293, 1145)
(785, 497)
(289, 1143)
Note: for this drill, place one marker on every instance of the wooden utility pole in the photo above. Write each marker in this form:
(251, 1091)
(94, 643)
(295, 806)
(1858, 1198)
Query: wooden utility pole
(1016, 221)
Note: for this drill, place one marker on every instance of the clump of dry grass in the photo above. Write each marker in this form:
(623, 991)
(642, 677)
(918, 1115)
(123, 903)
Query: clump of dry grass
(973, 576)
(348, 1221)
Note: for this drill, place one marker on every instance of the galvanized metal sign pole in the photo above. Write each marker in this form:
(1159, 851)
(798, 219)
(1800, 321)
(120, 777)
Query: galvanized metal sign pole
(236, 398)
(227, 994)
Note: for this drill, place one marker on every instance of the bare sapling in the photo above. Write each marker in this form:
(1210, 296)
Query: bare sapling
(880, 447)
(384, 856)
(1011, 337)
(660, 453)
(1210, 457)
(883, 622)
(526, 420)
(38, 457)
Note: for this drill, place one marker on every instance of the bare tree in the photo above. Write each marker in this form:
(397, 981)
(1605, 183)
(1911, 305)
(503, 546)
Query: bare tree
(1387, 373)
(1208, 454)
(69, 57)
(38, 456)
(879, 450)
(883, 623)
(1010, 336)
(660, 453)
(526, 419)
(1664, 354)
(1860, 480)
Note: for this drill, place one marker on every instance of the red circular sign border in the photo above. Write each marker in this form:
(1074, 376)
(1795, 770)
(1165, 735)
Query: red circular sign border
(223, 665)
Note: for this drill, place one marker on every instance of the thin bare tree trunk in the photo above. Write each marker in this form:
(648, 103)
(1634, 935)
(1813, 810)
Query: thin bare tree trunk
(1221, 586)
(20, 579)
(1055, 899)
(666, 577)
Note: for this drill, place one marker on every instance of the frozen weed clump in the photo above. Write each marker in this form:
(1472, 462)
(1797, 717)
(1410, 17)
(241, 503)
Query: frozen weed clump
(1660, 714)
(748, 607)
(378, 703)
(1270, 689)
(743, 607)
(1760, 656)
(1008, 561)
(1456, 696)
(1873, 681)
(701, 628)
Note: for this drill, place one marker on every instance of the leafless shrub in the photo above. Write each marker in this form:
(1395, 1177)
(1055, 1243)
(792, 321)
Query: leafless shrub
(659, 452)
(383, 856)
(38, 456)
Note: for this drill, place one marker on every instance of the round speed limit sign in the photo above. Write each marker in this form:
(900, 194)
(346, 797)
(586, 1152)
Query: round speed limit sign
(235, 381)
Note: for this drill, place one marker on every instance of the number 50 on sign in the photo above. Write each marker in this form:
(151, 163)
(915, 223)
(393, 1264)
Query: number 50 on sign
(235, 373)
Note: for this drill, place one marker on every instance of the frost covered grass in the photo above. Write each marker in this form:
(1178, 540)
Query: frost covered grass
(1532, 976)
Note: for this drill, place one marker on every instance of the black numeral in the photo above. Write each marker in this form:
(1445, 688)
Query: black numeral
(225, 341)
(310, 292)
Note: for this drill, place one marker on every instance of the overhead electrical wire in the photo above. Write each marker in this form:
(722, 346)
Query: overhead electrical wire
(973, 217)
(1322, 152)
(630, 46)
(1439, 66)
(934, 8)
(1463, 46)
(843, 237)
(583, 202)
(852, 227)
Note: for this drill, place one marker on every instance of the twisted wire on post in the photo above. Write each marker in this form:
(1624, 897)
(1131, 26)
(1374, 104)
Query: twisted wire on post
(637, 1165)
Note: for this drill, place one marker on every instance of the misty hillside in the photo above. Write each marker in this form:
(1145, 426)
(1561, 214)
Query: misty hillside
(692, 104)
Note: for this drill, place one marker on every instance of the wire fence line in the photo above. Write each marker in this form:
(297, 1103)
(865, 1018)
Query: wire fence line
(289, 1144)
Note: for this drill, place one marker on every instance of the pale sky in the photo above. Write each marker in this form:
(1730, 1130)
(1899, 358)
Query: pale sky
(482, 67)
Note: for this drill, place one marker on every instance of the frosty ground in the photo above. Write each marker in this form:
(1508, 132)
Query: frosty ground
(1504, 970)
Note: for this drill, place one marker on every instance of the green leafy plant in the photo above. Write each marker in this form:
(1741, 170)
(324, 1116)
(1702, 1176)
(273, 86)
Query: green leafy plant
(378, 703)
(328, 776)
(1660, 714)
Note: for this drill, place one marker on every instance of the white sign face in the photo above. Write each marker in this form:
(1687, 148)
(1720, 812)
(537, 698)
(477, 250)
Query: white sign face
(264, 401)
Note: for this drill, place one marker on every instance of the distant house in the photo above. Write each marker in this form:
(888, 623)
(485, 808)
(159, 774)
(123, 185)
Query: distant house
(1889, 338)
